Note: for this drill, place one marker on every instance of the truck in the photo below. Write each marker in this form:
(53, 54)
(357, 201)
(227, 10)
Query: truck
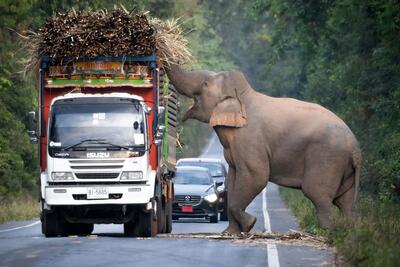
(106, 136)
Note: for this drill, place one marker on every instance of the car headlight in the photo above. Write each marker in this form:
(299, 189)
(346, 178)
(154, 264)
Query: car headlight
(138, 175)
(62, 176)
(211, 198)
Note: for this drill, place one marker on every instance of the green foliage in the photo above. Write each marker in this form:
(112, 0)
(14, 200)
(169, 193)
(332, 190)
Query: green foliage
(22, 206)
(341, 54)
(372, 239)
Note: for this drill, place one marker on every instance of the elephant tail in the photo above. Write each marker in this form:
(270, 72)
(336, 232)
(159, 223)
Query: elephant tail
(357, 158)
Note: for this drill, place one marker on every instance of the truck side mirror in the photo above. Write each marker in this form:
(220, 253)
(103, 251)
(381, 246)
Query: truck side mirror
(32, 127)
(146, 109)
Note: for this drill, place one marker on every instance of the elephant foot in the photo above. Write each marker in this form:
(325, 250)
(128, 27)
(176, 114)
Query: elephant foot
(230, 230)
(250, 222)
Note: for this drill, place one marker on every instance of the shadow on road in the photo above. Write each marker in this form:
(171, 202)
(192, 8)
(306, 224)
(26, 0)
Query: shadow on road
(191, 220)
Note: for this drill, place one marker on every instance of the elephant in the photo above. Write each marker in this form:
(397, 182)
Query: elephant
(286, 141)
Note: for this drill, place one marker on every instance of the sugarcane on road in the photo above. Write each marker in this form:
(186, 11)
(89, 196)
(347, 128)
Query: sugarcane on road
(22, 244)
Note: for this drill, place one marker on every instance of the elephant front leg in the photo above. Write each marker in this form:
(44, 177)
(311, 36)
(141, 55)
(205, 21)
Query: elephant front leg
(248, 184)
(233, 227)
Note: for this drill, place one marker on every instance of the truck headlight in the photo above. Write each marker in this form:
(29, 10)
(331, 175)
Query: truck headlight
(138, 175)
(211, 198)
(62, 176)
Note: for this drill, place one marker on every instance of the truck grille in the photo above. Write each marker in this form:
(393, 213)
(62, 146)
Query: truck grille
(83, 164)
(188, 199)
(97, 175)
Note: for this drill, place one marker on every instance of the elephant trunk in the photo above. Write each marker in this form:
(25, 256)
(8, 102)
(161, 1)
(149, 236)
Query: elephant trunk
(187, 83)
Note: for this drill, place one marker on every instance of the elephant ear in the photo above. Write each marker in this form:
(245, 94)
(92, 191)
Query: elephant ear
(229, 112)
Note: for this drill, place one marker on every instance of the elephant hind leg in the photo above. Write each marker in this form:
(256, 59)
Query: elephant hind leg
(324, 207)
(345, 202)
(320, 186)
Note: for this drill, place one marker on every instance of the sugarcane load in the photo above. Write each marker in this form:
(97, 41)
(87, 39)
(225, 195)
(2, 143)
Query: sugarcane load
(106, 131)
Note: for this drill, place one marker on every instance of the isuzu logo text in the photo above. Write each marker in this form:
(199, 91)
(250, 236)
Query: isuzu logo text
(98, 155)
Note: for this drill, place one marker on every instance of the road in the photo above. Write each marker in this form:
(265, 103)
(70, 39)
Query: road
(22, 244)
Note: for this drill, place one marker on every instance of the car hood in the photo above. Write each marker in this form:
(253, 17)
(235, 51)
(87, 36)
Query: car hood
(191, 189)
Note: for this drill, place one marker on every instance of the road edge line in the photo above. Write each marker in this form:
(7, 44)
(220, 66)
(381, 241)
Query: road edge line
(20, 227)
(205, 152)
(272, 250)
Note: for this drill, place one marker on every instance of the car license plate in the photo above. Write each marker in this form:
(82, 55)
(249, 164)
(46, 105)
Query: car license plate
(97, 193)
(187, 208)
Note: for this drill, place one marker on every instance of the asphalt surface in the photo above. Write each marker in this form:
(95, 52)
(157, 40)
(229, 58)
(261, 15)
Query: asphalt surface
(22, 244)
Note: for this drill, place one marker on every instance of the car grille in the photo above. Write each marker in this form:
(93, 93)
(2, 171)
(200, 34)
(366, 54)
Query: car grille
(195, 211)
(96, 175)
(187, 199)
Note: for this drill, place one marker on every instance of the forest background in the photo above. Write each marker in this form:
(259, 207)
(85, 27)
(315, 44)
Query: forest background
(344, 55)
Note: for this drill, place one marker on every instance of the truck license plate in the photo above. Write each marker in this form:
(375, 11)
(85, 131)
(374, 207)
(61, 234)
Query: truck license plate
(97, 193)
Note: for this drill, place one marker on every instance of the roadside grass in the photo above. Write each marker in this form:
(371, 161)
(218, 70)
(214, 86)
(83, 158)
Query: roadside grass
(20, 207)
(372, 239)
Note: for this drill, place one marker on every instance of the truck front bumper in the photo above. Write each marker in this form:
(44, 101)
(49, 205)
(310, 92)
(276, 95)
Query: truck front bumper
(117, 194)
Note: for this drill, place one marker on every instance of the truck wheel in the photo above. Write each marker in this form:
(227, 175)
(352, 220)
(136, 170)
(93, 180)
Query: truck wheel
(214, 218)
(161, 217)
(168, 217)
(52, 226)
(148, 223)
(224, 215)
(131, 229)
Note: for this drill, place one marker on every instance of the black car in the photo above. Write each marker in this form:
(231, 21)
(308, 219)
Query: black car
(218, 173)
(195, 194)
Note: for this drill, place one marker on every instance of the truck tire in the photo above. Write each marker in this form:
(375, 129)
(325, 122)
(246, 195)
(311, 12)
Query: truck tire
(168, 217)
(161, 216)
(52, 225)
(131, 229)
(147, 221)
(214, 218)
(224, 215)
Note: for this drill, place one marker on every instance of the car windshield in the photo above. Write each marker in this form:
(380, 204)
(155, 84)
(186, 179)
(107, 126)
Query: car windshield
(215, 169)
(192, 177)
(118, 124)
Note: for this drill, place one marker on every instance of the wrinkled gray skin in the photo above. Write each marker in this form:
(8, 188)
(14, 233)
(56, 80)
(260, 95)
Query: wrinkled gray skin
(286, 141)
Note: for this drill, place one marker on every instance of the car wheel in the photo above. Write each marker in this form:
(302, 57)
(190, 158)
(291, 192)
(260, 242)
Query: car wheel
(224, 215)
(214, 218)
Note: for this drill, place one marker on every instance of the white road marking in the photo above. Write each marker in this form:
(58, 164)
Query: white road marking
(207, 150)
(20, 227)
(272, 250)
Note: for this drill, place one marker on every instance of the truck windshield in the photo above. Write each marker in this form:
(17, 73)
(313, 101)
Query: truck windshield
(115, 124)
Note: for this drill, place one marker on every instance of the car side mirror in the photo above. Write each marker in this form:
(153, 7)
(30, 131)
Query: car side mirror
(32, 127)
(220, 189)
